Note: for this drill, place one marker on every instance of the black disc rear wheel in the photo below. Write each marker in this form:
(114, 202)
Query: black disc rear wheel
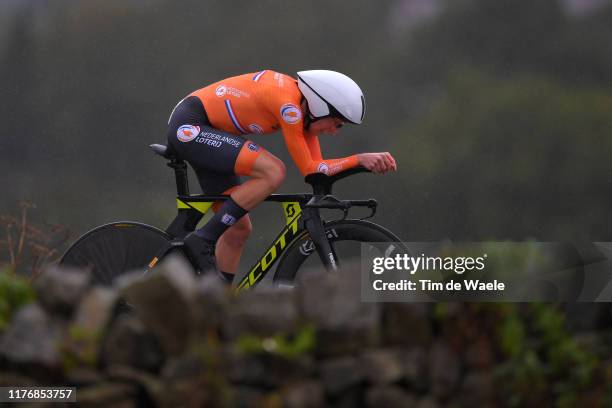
(113, 249)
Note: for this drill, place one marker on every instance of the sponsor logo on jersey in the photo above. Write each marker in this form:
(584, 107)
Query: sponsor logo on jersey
(228, 219)
(290, 113)
(255, 128)
(187, 133)
(208, 136)
(252, 146)
(323, 168)
(221, 90)
(280, 82)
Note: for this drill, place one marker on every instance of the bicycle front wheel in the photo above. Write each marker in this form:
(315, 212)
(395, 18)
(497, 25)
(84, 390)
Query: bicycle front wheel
(113, 249)
(345, 237)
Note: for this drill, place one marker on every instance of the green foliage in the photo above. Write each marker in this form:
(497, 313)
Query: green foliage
(284, 345)
(80, 348)
(14, 293)
(211, 375)
(565, 356)
(549, 362)
(512, 334)
(440, 311)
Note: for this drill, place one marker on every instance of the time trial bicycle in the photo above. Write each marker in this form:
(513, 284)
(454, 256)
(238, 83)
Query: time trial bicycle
(113, 249)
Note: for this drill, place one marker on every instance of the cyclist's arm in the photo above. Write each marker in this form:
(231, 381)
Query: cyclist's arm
(312, 140)
(300, 152)
(305, 153)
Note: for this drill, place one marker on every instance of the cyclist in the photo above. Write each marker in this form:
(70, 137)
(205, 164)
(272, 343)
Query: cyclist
(209, 129)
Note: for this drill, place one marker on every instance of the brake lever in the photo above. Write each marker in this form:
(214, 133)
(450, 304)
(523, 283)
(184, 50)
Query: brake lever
(345, 211)
(372, 205)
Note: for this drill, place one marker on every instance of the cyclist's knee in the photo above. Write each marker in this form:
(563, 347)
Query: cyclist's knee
(276, 174)
(271, 169)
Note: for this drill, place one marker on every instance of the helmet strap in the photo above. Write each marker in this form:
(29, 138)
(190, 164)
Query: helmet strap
(308, 118)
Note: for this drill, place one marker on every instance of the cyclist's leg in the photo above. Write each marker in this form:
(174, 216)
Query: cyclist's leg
(216, 168)
(231, 243)
(267, 174)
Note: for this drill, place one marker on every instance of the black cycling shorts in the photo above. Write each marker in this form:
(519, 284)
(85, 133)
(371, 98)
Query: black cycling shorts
(217, 157)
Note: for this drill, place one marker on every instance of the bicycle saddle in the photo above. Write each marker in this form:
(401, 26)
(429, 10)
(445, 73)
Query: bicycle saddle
(162, 150)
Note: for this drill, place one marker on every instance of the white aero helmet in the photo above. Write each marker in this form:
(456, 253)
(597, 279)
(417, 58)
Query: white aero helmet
(332, 93)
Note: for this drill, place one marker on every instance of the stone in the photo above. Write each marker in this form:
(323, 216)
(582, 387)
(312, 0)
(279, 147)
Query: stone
(108, 394)
(444, 370)
(266, 370)
(15, 379)
(261, 311)
(341, 373)
(406, 324)
(128, 343)
(152, 390)
(414, 367)
(32, 338)
(191, 379)
(303, 394)
(59, 289)
(389, 396)
(188, 393)
(83, 377)
(477, 390)
(351, 397)
(427, 402)
(183, 366)
(480, 354)
(96, 309)
(382, 366)
(164, 300)
(339, 342)
(332, 301)
(247, 397)
(212, 301)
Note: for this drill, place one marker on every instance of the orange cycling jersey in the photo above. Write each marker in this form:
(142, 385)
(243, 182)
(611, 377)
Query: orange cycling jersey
(264, 102)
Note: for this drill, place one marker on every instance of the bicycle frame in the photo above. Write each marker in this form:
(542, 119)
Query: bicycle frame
(193, 208)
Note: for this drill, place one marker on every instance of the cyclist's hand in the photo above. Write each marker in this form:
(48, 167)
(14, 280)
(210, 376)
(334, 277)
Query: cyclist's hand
(378, 163)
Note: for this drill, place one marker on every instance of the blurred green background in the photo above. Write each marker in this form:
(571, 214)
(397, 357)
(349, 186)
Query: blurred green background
(498, 112)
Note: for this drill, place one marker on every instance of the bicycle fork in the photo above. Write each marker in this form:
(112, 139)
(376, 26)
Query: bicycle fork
(314, 225)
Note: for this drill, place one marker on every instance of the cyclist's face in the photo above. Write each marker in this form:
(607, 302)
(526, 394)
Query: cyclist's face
(326, 125)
